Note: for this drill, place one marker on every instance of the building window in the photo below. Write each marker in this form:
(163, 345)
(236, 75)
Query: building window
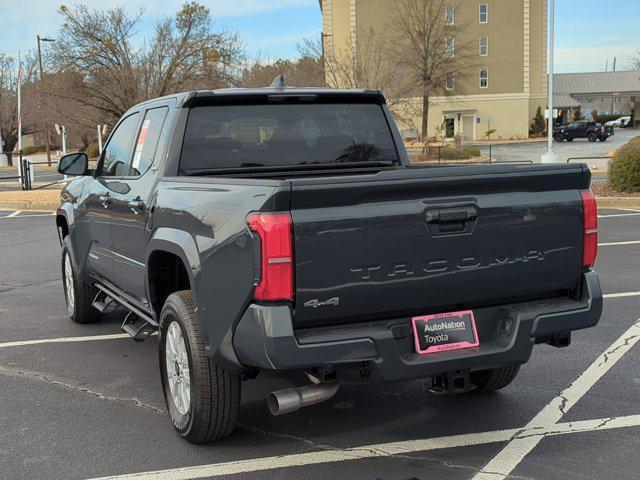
(449, 83)
(484, 78)
(484, 46)
(448, 15)
(449, 46)
(484, 13)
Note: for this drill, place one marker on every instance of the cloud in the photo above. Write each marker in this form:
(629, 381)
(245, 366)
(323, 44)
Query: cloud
(592, 59)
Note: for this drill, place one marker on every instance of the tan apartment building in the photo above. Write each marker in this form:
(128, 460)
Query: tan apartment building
(507, 81)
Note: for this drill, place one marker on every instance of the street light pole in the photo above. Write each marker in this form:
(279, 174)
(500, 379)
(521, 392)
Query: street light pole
(549, 157)
(46, 129)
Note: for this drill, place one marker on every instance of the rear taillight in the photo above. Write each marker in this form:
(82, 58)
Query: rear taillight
(276, 252)
(590, 213)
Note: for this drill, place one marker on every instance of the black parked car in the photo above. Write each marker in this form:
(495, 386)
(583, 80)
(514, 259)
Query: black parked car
(583, 129)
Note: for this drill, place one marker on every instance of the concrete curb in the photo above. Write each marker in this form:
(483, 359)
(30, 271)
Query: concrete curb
(28, 205)
(618, 202)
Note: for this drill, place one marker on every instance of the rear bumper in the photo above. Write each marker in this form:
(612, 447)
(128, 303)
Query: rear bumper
(265, 338)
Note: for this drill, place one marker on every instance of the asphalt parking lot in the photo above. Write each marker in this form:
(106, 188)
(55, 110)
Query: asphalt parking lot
(84, 401)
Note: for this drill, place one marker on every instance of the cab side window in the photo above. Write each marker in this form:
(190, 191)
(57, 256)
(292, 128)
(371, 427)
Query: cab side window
(147, 141)
(117, 154)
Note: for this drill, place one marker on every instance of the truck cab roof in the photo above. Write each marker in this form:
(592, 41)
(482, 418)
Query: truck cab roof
(277, 92)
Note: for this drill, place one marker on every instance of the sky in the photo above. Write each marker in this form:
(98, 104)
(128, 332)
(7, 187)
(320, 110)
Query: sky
(588, 32)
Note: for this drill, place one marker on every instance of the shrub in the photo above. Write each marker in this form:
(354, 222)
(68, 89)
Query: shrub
(458, 153)
(33, 149)
(608, 117)
(624, 169)
(92, 150)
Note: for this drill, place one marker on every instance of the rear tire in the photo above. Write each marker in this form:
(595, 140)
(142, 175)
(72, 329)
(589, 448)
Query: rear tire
(592, 137)
(79, 293)
(487, 381)
(202, 398)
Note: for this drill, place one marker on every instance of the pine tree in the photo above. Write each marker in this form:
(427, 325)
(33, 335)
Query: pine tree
(577, 114)
(539, 124)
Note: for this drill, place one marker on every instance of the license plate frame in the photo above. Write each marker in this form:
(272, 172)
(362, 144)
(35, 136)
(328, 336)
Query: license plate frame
(468, 339)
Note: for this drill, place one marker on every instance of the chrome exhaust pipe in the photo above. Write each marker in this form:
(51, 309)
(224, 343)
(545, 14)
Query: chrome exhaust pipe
(291, 399)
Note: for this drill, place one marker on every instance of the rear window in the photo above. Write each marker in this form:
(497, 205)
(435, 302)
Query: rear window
(285, 135)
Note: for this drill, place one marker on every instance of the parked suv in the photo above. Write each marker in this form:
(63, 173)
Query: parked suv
(283, 229)
(583, 129)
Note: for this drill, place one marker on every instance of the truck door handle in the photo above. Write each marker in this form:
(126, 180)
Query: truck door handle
(105, 200)
(136, 206)
(451, 215)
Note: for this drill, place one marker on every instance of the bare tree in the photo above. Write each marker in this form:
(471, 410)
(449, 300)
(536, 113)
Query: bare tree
(305, 71)
(186, 52)
(430, 49)
(112, 74)
(9, 100)
(8, 103)
(369, 63)
(634, 59)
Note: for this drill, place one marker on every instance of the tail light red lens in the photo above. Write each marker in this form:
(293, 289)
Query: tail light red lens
(276, 249)
(590, 213)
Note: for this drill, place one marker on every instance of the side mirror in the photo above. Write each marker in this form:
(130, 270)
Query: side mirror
(74, 164)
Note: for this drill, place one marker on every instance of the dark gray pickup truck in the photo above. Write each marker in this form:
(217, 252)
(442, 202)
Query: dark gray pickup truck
(283, 229)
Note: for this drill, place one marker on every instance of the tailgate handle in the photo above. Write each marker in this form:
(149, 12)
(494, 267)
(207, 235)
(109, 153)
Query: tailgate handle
(451, 215)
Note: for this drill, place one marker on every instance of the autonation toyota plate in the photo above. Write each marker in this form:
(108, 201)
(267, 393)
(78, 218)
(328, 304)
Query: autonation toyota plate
(445, 331)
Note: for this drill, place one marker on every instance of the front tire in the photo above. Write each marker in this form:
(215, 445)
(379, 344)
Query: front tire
(592, 137)
(559, 138)
(79, 293)
(202, 398)
(487, 381)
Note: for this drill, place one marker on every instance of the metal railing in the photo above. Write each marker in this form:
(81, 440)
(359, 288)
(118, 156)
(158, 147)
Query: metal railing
(30, 175)
(21, 173)
(20, 176)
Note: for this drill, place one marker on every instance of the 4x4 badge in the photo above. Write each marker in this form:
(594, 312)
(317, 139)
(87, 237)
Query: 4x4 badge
(315, 303)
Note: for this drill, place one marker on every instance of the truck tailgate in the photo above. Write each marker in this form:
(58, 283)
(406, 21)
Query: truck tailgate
(425, 240)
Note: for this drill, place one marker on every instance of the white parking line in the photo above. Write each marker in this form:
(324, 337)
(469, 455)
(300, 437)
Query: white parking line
(377, 451)
(632, 213)
(512, 454)
(613, 215)
(90, 338)
(620, 295)
(15, 215)
(613, 244)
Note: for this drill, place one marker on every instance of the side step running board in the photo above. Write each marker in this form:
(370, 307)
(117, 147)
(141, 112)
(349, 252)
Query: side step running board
(137, 327)
(139, 324)
(101, 301)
